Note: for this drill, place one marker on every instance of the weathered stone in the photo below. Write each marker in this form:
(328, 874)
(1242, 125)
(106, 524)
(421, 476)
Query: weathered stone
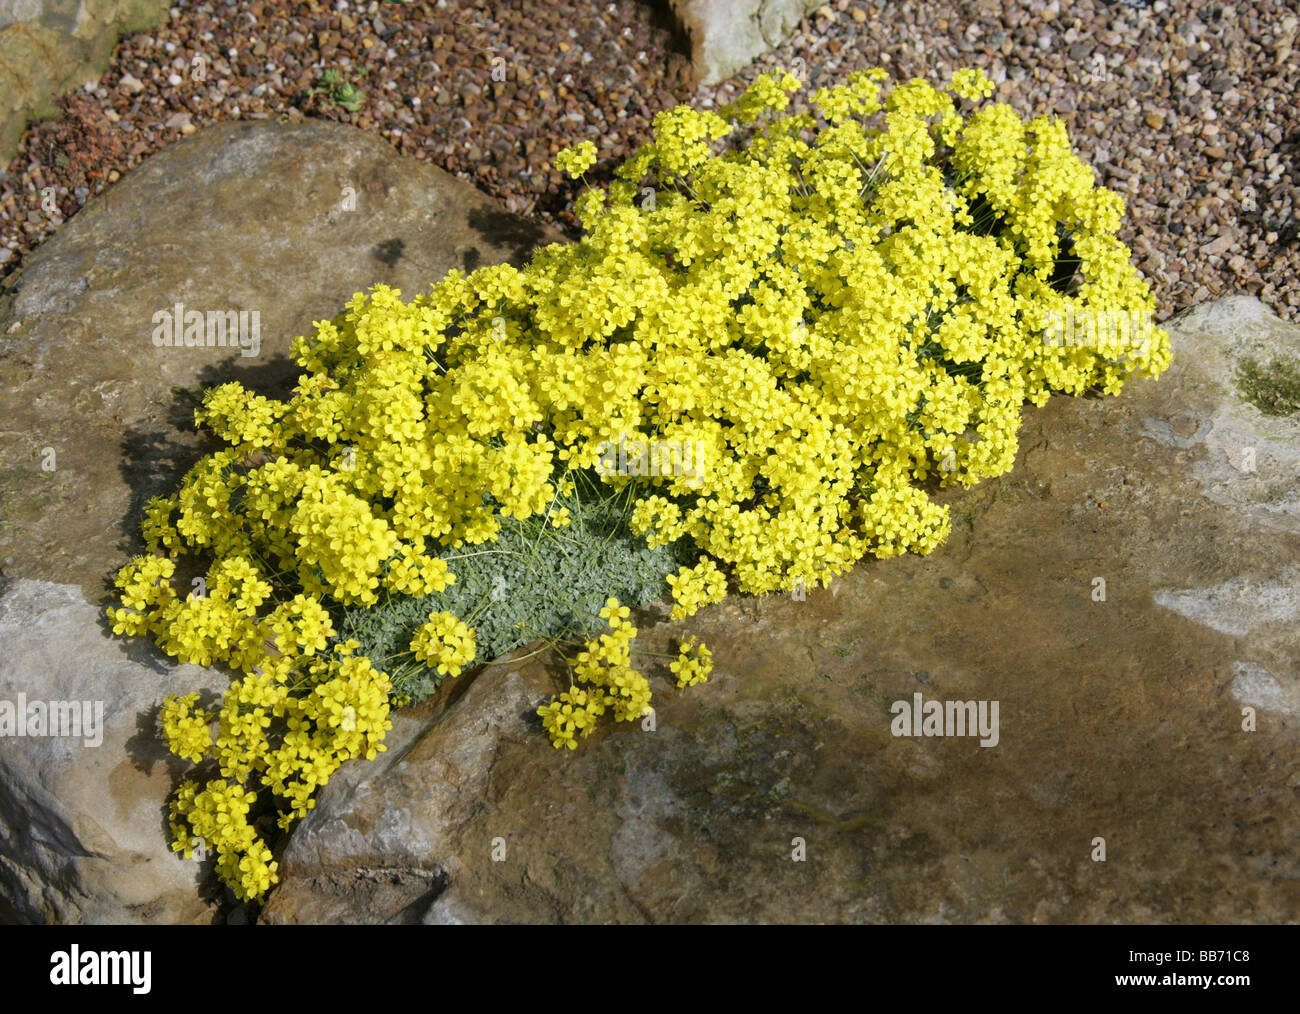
(1120, 715)
(82, 817)
(49, 46)
(242, 216)
(725, 35)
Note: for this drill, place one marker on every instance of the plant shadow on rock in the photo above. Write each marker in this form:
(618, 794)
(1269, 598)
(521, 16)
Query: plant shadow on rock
(503, 229)
(389, 251)
(156, 456)
(663, 19)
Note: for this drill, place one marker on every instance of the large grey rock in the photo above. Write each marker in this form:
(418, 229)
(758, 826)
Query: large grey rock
(49, 46)
(726, 35)
(82, 813)
(242, 216)
(1120, 715)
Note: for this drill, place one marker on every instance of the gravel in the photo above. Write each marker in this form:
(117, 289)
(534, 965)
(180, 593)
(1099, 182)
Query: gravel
(1187, 110)
(431, 77)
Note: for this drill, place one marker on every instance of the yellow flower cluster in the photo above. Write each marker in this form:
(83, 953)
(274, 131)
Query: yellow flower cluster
(570, 715)
(605, 680)
(826, 316)
(694, 587)
(187, 727)
(694, 663)
(444, 643)
(605, 665)
(214, 818)
(287, 728)
(411, 572)
(831, 316)
(577, 160)
(145, 586)
(971, 83)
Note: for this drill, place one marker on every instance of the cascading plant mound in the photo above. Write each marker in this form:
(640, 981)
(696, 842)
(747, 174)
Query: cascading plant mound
(829, 308)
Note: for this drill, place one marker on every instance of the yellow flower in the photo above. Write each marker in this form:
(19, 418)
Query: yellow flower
(694, 663)
(694, 587)
(576, 160)
(444, 643)
(971, 83)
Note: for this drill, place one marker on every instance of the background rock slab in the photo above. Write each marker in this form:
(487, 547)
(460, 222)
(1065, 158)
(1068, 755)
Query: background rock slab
(49, 46)
(726, 35)
(1119, 719)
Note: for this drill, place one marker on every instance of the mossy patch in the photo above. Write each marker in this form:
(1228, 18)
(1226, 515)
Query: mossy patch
(1273, 389)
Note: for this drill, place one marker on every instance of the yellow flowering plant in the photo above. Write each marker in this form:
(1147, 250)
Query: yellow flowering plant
(833, 311)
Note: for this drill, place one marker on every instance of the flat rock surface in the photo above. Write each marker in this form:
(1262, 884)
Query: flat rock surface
(1122, 721)
(289, 221)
